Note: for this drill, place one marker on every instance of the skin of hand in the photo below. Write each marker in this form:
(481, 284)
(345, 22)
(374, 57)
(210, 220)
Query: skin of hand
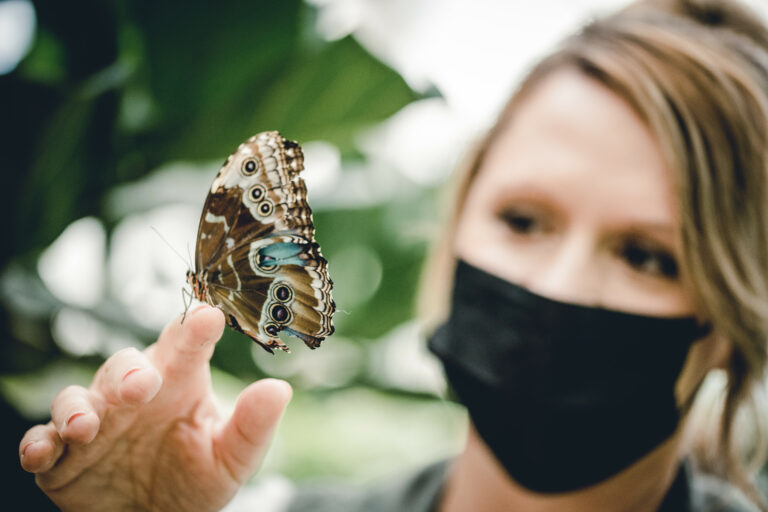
(147, 434)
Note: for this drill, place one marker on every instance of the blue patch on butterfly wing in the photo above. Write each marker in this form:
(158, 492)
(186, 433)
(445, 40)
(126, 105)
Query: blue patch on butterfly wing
(282, 253)
(281, 250)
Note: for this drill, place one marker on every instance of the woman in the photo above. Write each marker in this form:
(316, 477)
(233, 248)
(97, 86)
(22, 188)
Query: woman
(607, 254)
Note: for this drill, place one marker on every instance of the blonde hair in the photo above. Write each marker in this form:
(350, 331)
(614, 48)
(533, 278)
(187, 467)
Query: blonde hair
(696, 72)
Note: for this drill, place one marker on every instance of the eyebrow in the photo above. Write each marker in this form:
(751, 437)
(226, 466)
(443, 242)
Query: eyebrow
(644, 225)
(661, 232)
(535, 196)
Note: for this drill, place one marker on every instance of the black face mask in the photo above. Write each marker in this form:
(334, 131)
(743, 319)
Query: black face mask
(564, 395)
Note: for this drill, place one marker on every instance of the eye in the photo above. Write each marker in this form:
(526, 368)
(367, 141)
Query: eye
(282, 293)
(266, 207)
(250, 166)
(280, 314)
(256, 193)
(265, 263)
(271, 329)
(522, 222)
(646, 258)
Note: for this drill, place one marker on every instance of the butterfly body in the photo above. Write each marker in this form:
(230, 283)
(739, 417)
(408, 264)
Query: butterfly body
(256, 256)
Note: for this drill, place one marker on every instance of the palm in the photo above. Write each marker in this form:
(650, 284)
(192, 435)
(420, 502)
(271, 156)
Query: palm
(174, 452)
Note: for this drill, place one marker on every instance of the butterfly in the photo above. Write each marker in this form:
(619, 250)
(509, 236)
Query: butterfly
(256, 256)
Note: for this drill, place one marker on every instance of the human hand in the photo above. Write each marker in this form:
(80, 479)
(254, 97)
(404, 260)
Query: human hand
(147, 434)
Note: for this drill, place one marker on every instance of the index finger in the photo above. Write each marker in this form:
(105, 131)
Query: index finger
(187, 347)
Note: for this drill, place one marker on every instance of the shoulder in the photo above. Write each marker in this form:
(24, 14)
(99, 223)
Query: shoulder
(416, 491)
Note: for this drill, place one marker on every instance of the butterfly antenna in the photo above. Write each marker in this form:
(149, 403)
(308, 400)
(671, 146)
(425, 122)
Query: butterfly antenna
(169, 245)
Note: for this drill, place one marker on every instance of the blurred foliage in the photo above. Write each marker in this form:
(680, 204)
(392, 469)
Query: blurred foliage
(151, 86)
(112, 90)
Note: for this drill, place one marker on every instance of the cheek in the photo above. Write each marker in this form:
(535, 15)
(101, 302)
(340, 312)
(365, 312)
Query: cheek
(620, 289)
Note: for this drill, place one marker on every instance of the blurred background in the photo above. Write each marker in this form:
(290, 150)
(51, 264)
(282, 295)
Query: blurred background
(115, 118)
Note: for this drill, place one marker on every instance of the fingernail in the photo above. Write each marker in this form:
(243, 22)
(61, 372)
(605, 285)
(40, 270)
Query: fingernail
(24, 450)
(129, 372)
(75, 415)
(198, 308)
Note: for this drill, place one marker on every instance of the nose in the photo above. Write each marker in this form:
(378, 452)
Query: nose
(572, 271)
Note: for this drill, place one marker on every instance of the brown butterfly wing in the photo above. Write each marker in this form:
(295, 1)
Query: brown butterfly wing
(256, 250)
(275, 284)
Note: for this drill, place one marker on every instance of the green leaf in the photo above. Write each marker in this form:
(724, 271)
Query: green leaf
(332, 95)
(213, 87)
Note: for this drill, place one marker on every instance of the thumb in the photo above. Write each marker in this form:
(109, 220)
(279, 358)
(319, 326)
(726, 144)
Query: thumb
(242, 442)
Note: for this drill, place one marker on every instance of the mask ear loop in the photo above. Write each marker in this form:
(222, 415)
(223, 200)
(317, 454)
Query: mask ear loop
(687, 406)
(701, 387)
(447, 406)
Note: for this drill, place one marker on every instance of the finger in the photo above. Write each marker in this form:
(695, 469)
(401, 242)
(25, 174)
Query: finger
(75, 416)
(40, 448)
(245, 437)
(185, 348)
(127, 377)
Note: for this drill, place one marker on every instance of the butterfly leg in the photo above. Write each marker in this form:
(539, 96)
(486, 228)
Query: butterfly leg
(185, 294)
(276, 343)
(270, 345)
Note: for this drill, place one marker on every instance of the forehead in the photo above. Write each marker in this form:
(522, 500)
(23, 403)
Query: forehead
(576, 139)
